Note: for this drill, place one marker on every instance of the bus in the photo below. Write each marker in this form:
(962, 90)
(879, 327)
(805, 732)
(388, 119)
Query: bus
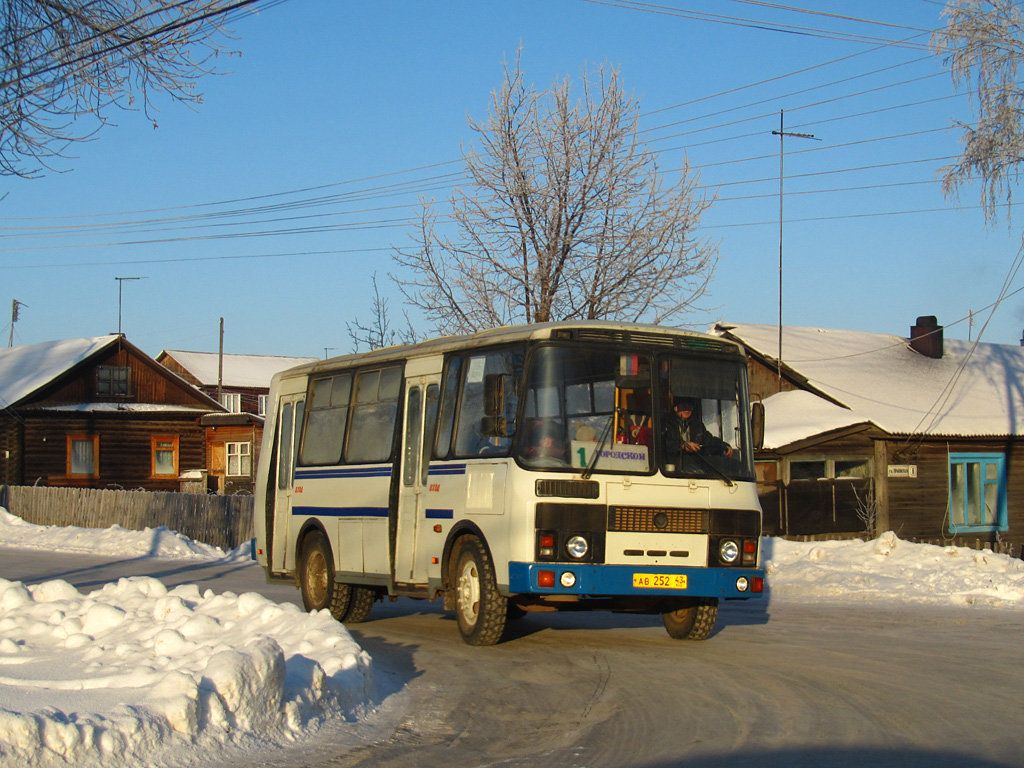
(544, 467)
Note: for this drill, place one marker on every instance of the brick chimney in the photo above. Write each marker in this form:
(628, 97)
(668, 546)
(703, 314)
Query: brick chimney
(926, 337)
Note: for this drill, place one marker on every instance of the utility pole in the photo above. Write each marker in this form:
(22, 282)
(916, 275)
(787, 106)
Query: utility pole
(220, 365)
(782, 133)
(14, 319)
(120, 284)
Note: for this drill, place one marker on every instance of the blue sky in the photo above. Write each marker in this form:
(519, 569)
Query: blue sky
(338, 114)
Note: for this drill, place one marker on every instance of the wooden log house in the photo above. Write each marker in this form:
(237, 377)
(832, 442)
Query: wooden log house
(97, 413)
(867, 433)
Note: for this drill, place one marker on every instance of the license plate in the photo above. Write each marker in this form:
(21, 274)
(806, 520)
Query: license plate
(659, 581)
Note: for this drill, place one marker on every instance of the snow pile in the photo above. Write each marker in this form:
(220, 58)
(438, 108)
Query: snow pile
(889, 569)
(133, 672)
(114, 541)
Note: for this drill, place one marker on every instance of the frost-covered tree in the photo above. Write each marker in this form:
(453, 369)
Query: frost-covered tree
(566, 214)
(983, 46)
(67, 65)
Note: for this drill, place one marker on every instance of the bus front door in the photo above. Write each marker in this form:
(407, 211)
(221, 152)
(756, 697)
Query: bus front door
(421, 401)
(289, 429)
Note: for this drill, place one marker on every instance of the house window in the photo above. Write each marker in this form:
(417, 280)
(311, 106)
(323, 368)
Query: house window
(164, 452)
(83, 455)
(232, 401)
(112, 380)
(261, 405)
(239, 460)
(977, 492)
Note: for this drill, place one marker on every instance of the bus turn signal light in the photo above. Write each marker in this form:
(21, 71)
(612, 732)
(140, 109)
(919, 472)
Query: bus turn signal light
(545, 578)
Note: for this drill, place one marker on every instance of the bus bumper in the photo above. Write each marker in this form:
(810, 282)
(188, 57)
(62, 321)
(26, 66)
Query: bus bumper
(617, 580)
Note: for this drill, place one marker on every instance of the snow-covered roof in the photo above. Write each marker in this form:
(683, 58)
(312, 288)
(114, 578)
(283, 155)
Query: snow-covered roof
(23, 370)
(239, 370)
(974, 389)
(798, 415)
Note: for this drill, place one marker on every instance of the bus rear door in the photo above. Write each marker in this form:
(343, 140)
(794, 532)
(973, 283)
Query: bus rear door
(289, 430)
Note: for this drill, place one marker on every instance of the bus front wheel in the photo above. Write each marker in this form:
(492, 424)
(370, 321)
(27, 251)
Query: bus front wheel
(316, 579)
(480, 609)
(692, 620)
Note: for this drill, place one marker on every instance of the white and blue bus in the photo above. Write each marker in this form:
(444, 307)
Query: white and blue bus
(562, 466)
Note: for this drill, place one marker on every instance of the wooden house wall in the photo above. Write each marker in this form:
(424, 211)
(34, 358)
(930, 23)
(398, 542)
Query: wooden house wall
(125, 450)
(12, 433)
(147, 383)
(764, 381)
(216, 452)
(806, 507)
(250, 396)
(173, 365)
(918, 506)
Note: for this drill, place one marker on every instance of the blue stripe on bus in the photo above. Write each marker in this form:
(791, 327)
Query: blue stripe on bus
(440, 514)
(341, 511)
(447, 469)
(353, 472)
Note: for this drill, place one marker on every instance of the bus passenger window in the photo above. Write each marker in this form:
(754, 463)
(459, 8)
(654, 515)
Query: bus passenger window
(327, 418)
(372, 431)
(449, 399)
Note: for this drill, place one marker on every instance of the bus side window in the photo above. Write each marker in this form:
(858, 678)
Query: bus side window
(470, 440)
(374, 413)
(284, 465)
(449, 399)
(327, 418)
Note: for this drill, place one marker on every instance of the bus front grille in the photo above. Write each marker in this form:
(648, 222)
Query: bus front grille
(658, 520)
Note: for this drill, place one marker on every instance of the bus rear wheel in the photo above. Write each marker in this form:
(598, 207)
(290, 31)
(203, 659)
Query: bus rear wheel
(480, 609)
(360, 604)
(692, 619)
(316, 579)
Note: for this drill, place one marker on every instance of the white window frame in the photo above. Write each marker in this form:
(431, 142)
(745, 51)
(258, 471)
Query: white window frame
(232, 401)
(241, 455)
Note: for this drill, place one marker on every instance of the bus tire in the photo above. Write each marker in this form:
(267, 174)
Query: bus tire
(316, 578)
(692, 620)
(480, 609)
(360, 604)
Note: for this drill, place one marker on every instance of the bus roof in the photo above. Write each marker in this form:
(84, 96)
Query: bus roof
(589, 330)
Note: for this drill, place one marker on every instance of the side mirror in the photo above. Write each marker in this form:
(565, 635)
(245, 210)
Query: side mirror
(494, 394)
(757, 425)
(494, 426)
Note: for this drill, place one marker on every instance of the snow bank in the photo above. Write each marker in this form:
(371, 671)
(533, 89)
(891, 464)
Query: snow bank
(113, 542)
(132, 674)
(888, 569)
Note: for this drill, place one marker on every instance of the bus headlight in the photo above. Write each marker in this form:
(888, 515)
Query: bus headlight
(729, 551)
(577, 547)
(568, 579)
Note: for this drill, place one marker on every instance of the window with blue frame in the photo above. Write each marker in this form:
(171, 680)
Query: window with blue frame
(977, 492)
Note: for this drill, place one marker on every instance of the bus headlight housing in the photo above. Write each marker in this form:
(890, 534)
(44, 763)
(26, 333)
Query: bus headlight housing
(729, 551)
(577, 547)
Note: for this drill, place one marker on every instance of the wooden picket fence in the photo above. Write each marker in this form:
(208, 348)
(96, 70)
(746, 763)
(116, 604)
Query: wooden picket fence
(222, 521)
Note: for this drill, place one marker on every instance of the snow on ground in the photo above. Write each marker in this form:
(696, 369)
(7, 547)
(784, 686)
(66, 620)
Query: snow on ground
(135, 674)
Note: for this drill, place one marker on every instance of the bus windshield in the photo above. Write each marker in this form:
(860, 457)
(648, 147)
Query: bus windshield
(627, 411)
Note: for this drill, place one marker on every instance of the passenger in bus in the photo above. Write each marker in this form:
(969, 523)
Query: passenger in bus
(685, 432)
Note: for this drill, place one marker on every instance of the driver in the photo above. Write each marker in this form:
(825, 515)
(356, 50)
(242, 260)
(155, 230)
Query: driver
(686, 433)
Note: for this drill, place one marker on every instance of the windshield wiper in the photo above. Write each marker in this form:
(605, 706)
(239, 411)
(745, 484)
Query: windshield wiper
(600, 447)
(707, 463)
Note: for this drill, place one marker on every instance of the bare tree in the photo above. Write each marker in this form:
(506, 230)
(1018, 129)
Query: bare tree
(65, 60)
(565, 215)
(379, 333)
(983, 43)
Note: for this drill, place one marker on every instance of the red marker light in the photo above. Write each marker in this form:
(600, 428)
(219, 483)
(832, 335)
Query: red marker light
(547, 541)
(545, 578)
(750, 547)
(757, 584)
